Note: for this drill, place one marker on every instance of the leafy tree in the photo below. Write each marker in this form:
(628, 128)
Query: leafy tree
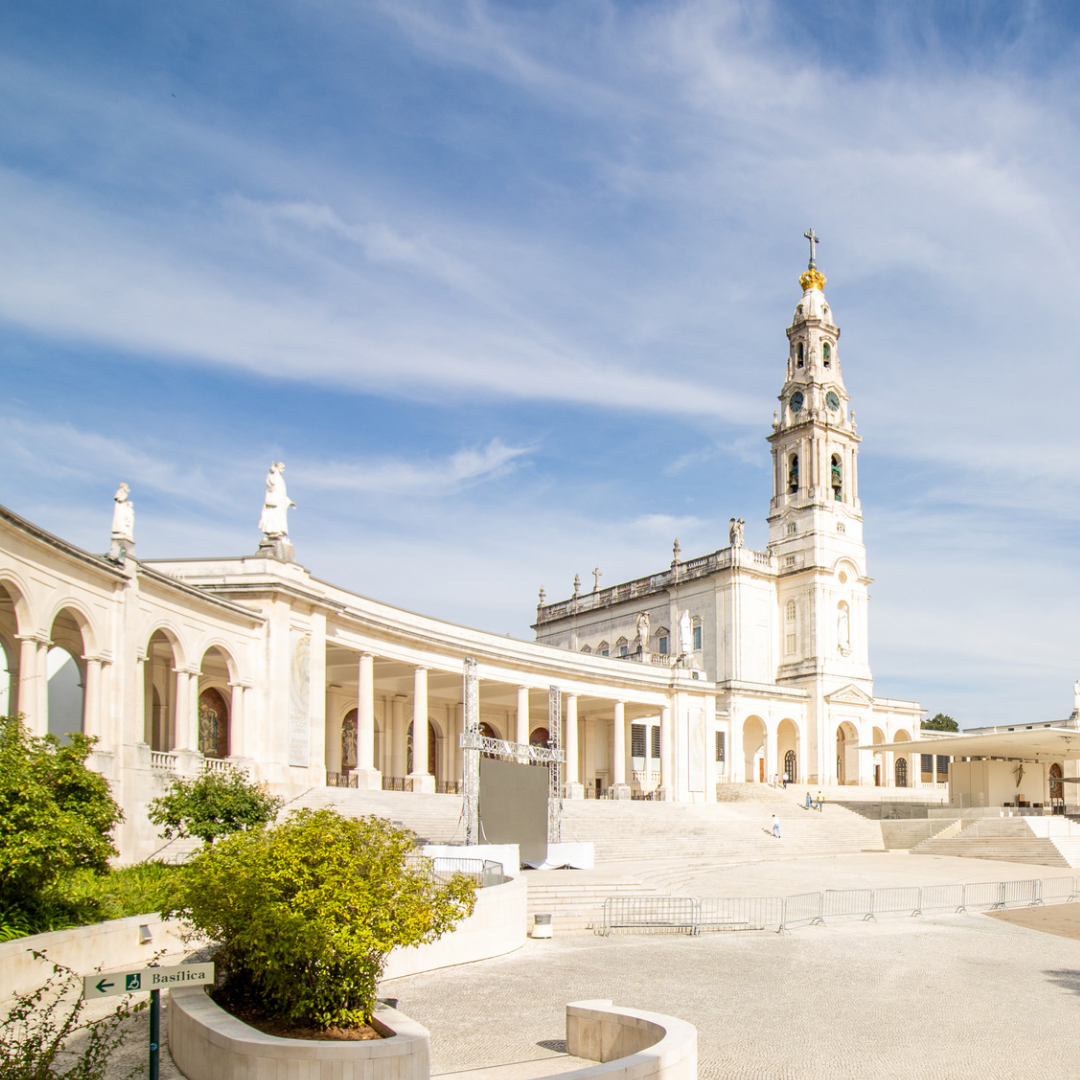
(212, 805)
(56, 815)
(307, 912)
(940, 722)
(43, 1036)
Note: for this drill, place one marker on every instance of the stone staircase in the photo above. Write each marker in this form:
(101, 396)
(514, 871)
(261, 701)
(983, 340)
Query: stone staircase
(1003, 839)
(575, 905)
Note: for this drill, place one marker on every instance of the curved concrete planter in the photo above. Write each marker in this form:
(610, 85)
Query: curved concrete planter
(208, 1044)
(632, 1044)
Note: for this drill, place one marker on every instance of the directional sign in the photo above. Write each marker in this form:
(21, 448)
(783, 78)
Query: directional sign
(101, 985)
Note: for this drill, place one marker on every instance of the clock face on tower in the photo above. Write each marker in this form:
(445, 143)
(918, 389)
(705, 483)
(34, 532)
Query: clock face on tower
(832, 400)
(797, 401)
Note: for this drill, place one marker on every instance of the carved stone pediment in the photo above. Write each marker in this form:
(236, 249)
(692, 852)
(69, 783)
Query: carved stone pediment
(849, 695)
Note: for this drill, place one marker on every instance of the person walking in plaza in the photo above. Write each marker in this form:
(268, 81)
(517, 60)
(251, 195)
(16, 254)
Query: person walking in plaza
(776, 826)
(809, 801)
(820, 801)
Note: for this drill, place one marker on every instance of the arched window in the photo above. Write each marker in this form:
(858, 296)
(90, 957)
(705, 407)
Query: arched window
(789, 767)
(603, 649)
(662, 641)
(799, 355)
(789, 611)
(540, 737)
(793, 474)
(622, 646)
(826, 353)
(901, 772)
(836, 478)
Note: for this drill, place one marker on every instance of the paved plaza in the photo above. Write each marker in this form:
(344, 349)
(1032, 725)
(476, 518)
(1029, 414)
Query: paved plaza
(946, 996)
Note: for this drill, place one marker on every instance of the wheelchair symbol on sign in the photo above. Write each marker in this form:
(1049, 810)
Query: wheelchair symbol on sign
(133, 982)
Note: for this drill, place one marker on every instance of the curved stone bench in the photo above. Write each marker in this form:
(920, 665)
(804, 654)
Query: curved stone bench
(632, 1044)
(207, 1043)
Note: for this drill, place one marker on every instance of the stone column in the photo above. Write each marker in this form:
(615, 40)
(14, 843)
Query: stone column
(422, 780)
(367, 776)
(572, 786)
(736, 751)
(398, 735)
(237, 733)
(92, 699)
(27, 696)
(455, 722)
(589, 753)
(521, 730)
(771, 767)
(620, 789)
(666, 790)
(188, 757)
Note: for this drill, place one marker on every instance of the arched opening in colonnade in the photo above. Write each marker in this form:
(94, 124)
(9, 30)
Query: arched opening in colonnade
(432, 749)
(787, 750)
(10, 627)
(66, 673)
(216, 675)
(847, 754)
(159, 691)
(902, 768)
(754, 735)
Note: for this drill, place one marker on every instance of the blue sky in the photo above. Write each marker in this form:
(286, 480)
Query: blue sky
(505, 285)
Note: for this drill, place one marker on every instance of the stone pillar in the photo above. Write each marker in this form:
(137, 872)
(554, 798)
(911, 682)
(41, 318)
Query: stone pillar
(92, 699)
(666, 790)
(422, 780)
(367, 776)
(620, 789)
(736, 751)
(238, 742)
(589, 753)
(27, 699)
(455, 722)
(771, 767)
(398, 735)
(188, 757)
(521, 730)
(572, 786)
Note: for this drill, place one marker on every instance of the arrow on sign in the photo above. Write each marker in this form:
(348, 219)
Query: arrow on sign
(103, 986)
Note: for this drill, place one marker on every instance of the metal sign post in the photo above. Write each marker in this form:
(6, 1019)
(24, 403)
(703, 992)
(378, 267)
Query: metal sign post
(142, 980)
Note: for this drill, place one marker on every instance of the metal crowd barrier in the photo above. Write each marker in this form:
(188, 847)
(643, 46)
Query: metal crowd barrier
(484, 872)
(741, 913)
(694, 915)
(651, 913)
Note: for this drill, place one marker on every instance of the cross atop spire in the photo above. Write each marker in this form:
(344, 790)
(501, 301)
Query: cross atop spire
(813, 242)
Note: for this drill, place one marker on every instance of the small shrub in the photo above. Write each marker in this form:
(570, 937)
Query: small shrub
(56, 816)
(38, 1025)
(212, 805)
(306, 913)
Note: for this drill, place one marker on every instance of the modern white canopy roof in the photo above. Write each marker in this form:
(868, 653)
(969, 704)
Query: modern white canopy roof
(1035, 745)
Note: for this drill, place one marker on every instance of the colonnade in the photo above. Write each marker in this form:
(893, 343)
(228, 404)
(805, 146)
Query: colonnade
(595, 740)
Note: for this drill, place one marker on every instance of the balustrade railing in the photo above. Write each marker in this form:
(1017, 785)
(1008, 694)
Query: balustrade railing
(163, 759)
(220, 765)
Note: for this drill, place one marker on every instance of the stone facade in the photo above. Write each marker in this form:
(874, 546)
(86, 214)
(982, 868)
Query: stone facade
(784, 633)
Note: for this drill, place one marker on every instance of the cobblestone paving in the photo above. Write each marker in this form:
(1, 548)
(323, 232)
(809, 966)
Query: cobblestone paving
(956, 996)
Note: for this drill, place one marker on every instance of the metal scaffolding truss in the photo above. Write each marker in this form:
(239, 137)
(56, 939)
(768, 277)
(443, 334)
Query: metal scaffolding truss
(475, 744)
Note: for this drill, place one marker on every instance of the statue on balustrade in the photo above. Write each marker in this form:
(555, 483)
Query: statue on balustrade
(274, 522)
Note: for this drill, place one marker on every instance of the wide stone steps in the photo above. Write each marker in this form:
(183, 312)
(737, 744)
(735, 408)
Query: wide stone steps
(577, 908)
(1003, 840)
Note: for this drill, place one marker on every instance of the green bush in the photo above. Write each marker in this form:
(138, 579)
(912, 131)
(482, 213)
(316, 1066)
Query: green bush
(37, 1032)
(306, 913)
(56, 816)
(212, 805)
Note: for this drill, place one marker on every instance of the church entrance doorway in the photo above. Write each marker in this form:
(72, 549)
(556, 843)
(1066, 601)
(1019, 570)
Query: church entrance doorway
(754, 736)
(847, 754)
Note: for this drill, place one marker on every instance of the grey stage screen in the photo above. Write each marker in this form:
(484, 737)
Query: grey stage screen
(513, 806)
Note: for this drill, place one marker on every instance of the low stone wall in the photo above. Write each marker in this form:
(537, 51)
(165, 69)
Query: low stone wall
(113, 944)
(632, 1043)
(206, 1043)
(496, 927)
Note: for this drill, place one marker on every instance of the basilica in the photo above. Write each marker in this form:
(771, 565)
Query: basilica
(736, 666)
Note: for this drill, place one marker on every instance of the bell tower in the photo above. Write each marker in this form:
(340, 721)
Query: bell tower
(815, 517)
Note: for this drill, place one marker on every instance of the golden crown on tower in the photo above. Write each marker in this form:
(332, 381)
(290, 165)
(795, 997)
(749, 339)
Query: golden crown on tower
(813, 278)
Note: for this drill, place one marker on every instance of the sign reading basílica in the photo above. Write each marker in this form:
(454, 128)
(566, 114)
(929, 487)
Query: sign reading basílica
(151, 978)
